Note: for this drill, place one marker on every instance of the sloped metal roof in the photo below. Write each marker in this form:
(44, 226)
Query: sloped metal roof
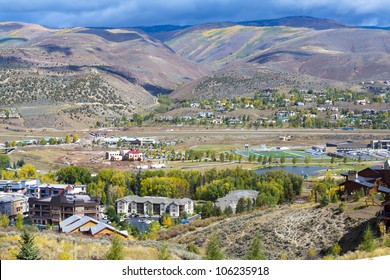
(78, 224)
(69, 221)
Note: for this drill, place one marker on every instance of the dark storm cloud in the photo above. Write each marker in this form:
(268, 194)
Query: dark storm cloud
(64, 13)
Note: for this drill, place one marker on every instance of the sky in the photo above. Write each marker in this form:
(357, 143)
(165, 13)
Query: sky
(126, 13)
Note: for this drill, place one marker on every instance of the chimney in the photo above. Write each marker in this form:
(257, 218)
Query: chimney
(352, 175)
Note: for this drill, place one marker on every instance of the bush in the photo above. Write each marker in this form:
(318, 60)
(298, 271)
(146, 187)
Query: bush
(324, 201)
(163, 252)
(386, 240)
(341, 208)
(193, 248)
(335, 250)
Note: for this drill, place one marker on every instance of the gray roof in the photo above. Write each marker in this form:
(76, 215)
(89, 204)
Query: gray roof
(79, 223)
(155, 200)
(384, 189)
(362, 181)
(5, 197)
(232, 198)
(70, 224)
(69, 221)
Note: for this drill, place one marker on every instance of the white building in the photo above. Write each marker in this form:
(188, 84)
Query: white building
(134, 204)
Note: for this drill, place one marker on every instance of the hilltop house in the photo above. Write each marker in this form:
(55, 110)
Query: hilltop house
(134, 204)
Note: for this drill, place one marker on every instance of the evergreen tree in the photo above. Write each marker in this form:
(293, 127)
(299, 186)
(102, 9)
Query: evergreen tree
(27, 248)
(282, 159)
(217, 211)
(241, 205)
(213, 249)
(228, 211)
(249, 204)
(256, 251)
(368, 242)
(116, 250)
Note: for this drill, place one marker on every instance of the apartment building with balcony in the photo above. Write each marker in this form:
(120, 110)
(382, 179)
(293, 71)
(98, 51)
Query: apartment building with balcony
(53, 210)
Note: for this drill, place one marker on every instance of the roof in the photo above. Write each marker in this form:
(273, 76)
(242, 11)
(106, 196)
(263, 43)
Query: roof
(79, 223)
(154, 200)
(233, 196)
(10, 197)
(73, 199)
(384, 189)
(72, 223)
(69, 221)
(348, 145)
(362, 181)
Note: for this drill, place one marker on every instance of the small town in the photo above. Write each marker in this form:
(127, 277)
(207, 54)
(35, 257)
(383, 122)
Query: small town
(152, 137)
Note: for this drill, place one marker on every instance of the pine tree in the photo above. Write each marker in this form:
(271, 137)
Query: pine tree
(116, 250)
(368, 242)
(241, 205)
(213, 249)
(256, 251)
(27, 248)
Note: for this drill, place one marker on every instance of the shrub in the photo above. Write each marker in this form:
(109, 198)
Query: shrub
(163, 252)
(193, 248)
(341, 208)
(324, 200)
(335, 250)
(386, 240)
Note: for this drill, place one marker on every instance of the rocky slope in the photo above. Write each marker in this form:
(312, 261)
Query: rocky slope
(289, 230)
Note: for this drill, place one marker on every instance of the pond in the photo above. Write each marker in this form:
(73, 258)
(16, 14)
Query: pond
(299, 170)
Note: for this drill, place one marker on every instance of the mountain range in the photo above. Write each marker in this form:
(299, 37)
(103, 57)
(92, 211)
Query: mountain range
(122, 70)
